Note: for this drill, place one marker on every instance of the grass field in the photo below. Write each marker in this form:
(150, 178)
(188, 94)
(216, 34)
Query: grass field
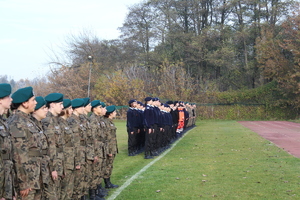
(216, 159)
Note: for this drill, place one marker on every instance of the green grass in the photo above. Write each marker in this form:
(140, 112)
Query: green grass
(217, 159)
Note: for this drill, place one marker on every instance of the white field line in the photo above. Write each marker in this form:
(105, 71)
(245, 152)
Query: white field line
(129, 181)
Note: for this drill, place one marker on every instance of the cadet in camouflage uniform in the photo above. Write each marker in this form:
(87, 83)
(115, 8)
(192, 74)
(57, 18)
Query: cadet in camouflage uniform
(55, 138)
(189, 110)
(112, 145)
(26, 144)
(6, 163)
(97, 124)
(80, 148)
(69, 152)
(105, 130)
(90, 140)
(40, 113)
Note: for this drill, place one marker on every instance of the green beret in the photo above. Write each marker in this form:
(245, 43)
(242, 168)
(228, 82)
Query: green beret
(5, 90)
(76, 103)
(22, 95)
(102, 104)
(110, 109)
(54, 98)
(66, 103)
(95, 103)
(86, 101)
(40, 102)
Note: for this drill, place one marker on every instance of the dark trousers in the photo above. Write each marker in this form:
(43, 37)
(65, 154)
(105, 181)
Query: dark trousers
(132, 140)
(148, 141)
(167, 136)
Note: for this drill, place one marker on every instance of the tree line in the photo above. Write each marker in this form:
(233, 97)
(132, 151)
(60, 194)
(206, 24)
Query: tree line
(186, 49)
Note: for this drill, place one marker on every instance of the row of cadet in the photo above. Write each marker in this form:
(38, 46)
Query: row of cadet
(153, 126)
(51, 149)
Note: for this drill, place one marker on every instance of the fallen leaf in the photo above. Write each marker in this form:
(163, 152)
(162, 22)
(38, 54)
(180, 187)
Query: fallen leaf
(204, 175)
(157, 190)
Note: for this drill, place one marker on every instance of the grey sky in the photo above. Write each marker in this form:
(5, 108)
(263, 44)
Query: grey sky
(30, 28)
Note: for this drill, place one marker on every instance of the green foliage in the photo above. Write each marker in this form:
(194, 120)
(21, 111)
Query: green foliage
(188, 50)
(261, 103)
(268, 95)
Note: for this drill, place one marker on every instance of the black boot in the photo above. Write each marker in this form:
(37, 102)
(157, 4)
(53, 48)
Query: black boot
(148, 156)
(108, 184)
(93, 196)
(83, 198)
(101, 192)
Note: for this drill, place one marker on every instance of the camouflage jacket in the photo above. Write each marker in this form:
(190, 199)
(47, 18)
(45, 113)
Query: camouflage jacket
(98, 127)
(112, 145)
(6, 164)
(27, 150)
(45, 172)
(69, 146)
(79, 139)
(90, 139)
(55, 138)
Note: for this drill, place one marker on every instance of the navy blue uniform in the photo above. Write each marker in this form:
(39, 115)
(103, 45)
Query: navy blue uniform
(132, 130)
(149, 126)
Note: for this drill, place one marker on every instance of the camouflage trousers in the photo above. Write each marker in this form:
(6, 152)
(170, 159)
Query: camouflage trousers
(103, 167)
(89, 175)
(80, 182)
(8, 189)
(1, 177)
(33, 195)
(49, 192)
(108, 166)
(67, 185)
(57, 186)
(96, 173)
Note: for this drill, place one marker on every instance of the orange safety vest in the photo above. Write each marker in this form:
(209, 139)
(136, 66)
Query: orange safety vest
(181, 118)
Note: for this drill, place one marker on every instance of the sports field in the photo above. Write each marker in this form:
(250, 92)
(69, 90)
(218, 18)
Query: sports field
(216, 159)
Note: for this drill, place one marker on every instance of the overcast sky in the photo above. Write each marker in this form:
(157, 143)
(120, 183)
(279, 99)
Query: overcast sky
(30, 28)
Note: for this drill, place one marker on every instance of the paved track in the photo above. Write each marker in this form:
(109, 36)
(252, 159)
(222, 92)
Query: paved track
(284, 134)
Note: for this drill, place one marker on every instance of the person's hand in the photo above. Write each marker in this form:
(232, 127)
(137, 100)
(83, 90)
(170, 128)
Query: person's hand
(24, 193)
(77, 167)
(54, 175)
(110, 155)
(96, 159)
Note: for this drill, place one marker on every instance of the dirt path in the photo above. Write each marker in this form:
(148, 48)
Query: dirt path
(284, 134)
